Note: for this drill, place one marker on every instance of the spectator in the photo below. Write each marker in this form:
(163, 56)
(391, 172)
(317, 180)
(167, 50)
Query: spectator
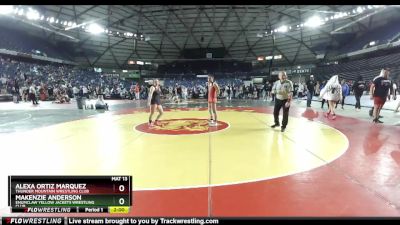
(317, 88)
(310, 87)
(300, 91)
(75, 91)
(85, 91)
(332, 92)
(32, 94)
(345, 92)
(379, 91)
(358, 88)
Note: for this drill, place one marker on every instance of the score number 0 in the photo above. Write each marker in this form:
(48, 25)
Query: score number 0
(121, 188)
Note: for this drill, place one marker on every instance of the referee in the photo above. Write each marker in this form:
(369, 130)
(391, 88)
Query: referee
(283, 90)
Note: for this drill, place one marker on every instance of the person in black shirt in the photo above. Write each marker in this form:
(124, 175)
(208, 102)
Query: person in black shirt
(310, 85)
(228, 91)
(379, 92)
(320, 87)
(16, 89)
(179, 91)
(358, 88)
(295, 89)
(251, 90)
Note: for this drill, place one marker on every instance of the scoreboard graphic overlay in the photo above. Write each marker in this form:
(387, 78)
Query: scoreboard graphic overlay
(70, 194)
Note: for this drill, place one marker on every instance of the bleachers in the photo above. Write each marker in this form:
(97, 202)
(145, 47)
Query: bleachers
(50, 74)
(368, 68)
(21, 42)
(190, 83)
(381, 35)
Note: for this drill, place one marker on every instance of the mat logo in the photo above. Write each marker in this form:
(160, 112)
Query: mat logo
(189, 125)
(181, 126)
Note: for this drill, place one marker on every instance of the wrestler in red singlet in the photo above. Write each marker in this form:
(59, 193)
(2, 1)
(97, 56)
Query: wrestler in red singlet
(213, 91)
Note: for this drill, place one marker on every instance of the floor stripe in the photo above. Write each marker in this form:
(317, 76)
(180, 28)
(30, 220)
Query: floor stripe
(26, 118)
(209, 175)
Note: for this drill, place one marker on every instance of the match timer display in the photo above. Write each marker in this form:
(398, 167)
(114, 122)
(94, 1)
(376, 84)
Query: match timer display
(70, 194)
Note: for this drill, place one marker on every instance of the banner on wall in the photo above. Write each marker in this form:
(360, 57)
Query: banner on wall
(131, 74)
(258, 80)
(115, 75)
(295, 71)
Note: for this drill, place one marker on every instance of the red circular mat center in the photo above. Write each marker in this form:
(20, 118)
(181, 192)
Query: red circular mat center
(181, 126)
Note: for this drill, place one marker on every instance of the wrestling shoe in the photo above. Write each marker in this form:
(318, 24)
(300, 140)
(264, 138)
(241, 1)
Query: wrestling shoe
(377, 121)
(213, 124)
